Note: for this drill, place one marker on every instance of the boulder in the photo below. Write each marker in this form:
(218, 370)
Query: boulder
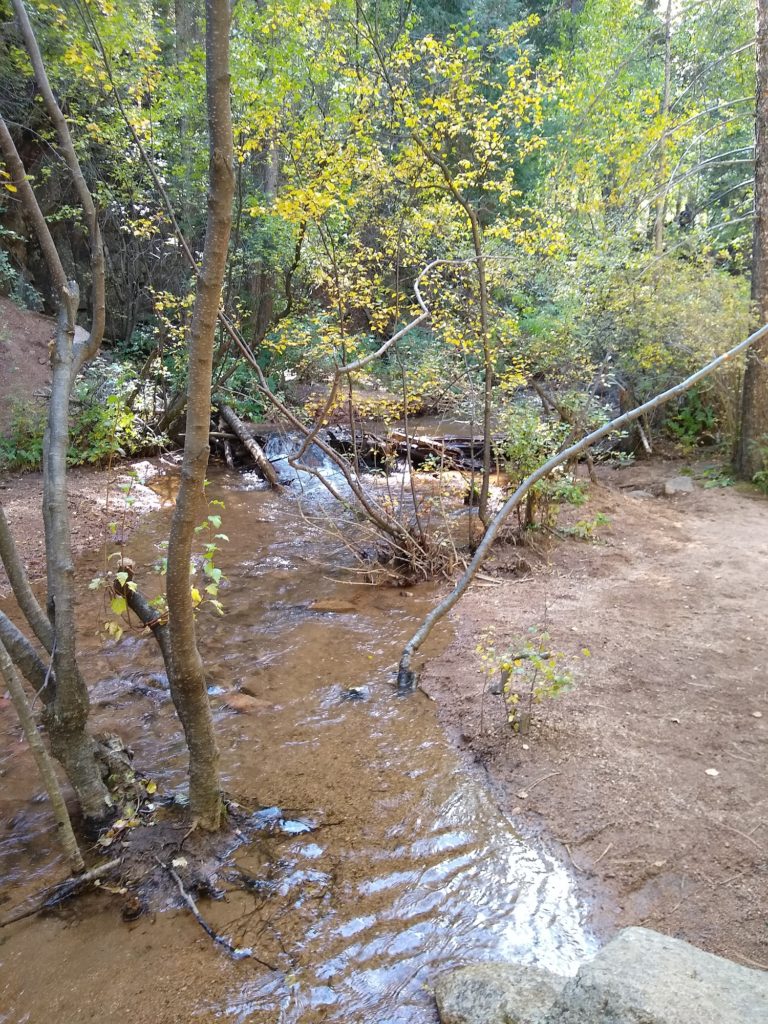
(496, 993)
(642, 977)
(678, 485)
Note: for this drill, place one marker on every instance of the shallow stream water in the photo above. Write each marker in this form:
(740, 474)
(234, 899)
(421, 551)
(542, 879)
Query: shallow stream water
(396, 862)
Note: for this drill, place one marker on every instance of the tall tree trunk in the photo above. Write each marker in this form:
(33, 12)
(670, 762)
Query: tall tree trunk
(188, 685)
(661, 202)
(66, 717)
(488, 362)
(66, 712)
(752, 452)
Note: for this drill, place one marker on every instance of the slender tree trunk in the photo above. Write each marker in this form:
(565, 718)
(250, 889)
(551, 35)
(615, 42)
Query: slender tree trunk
(661, 203)
(188, 685)
(10, 677)
(66, 717)
(752, 451)
(477, 241)
(66, 713)
(17, 577)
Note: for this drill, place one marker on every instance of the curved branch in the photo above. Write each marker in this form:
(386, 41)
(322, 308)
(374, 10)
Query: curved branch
(39, 622)
(86, 349)
(405, 676)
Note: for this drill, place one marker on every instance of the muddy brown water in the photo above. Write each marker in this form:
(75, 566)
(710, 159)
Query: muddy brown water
(395, 862)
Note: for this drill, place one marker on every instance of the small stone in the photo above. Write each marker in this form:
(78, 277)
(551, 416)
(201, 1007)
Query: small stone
(522, 795)
(243, 704)
(757, 714)
(713, 772)
(355, 693)
(678, 485)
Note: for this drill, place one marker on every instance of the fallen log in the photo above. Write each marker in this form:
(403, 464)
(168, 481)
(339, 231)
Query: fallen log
(450, 451)
(263, 464)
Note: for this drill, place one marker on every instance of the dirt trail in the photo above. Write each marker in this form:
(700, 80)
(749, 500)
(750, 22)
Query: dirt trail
(671, 602)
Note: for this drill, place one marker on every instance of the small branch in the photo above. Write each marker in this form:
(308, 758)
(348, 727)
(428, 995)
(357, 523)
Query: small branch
(237, 952)
(543, 779)
(50, 898)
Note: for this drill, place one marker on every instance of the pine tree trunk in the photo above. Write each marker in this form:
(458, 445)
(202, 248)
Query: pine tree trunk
(188, 685)
(752, 453)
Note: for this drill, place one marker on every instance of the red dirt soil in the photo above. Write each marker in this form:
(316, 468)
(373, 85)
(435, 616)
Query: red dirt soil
(671, 602)
(25, 370)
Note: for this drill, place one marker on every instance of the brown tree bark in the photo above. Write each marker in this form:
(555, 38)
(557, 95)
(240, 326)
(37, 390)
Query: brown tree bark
(752, 451)
(10, 677)
(66, 713)
(188, 685)
(661, 202)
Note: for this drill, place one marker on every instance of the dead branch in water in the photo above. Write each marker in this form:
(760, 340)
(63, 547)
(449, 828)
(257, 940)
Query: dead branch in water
(57, 894)
(237, 952)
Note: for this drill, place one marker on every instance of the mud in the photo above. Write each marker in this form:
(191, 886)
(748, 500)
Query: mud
(649, 777)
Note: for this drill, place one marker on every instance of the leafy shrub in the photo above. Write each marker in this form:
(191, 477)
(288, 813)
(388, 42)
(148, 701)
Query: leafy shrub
(21, 447)
(102, 425)
(694, 417)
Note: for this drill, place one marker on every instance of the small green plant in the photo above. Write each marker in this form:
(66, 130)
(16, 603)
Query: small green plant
(529, 671)
(585, 529)
(21, 447)
(716, 476)
(694, 417)
(114, 584)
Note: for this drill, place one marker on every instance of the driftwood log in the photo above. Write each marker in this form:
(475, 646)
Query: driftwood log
(238, 428)
(449, 452)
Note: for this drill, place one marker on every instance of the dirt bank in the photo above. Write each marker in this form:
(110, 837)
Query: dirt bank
(25, 367)
(96, 499)
(651, 773)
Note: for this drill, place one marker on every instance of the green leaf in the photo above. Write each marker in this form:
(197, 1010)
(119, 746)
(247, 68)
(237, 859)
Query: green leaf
(118, 605)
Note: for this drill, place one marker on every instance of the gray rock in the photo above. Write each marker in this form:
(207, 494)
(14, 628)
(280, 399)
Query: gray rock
(678, 485)
(496, 994)
(639, 494)
(642, 977)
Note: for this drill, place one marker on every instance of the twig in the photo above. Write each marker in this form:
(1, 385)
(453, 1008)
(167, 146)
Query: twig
(237, 952)
(746, 960)
(743, 835)
(543, 779)
(578, 868)
(608, 847)
(63, 891)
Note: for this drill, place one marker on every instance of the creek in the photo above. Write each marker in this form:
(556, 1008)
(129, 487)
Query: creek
(393, 862)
